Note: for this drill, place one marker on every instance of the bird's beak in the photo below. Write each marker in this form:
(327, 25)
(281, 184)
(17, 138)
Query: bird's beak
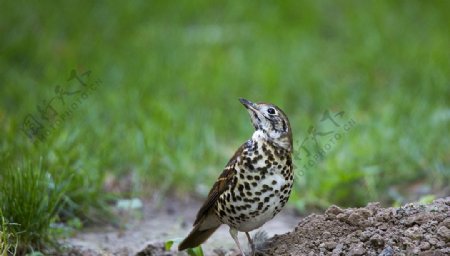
(253, 110)
(248, 104)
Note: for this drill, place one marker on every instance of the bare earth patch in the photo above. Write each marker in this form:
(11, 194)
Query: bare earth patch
(160, 221)
(413, 229)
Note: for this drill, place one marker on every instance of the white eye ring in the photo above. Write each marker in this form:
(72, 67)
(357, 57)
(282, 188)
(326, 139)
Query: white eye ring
(271, 111)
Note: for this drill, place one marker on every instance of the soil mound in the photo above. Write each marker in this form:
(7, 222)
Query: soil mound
(413, 229)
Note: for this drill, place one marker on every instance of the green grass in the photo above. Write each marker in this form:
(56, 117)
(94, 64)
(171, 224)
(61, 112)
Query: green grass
(166, 109)
(8, 238)
(30, 199)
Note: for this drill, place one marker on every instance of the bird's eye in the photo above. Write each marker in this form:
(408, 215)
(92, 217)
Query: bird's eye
(271, 111)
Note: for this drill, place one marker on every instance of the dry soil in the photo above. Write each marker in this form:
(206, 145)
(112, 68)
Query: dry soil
(413, 229)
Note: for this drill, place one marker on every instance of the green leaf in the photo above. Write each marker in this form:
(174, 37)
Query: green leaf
(168, 245)
(197, 251)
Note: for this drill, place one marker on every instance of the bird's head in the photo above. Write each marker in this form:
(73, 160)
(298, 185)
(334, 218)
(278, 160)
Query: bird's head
(270, 123)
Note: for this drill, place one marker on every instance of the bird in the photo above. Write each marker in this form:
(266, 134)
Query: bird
(255, 184)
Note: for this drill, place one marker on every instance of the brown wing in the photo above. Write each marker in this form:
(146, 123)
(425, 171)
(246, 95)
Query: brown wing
(221, 184)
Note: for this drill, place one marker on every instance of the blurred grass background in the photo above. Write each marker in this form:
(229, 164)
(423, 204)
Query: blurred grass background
(165, 113)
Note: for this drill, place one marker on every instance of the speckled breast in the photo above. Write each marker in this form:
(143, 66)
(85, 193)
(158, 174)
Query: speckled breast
(260, 188)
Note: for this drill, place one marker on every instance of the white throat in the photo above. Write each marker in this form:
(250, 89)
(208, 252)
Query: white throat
(280, 141)
(259, 135)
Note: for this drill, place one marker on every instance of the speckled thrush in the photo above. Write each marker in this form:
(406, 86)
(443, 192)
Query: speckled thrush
(256, 182)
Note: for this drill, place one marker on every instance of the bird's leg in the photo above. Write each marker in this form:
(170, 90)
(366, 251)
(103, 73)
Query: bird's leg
(233, 233)
(250, 241)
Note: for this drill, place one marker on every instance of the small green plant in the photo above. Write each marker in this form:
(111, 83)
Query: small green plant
(31, 199)
(197, 251)
(168, 245)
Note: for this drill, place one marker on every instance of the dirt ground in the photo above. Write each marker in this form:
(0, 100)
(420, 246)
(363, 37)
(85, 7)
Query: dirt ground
(413, 229)
(161, 220)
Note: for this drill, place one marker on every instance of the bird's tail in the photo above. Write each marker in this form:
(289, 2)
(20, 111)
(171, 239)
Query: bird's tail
(198, 235)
